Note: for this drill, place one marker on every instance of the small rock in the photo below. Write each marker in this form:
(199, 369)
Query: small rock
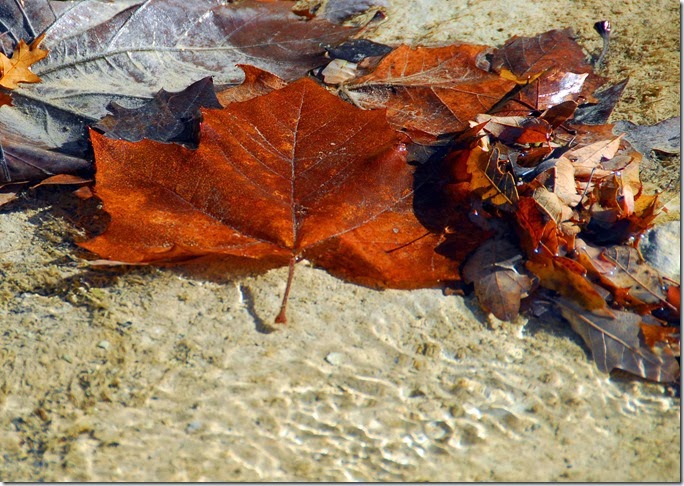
(68, 358)
(103, 344)
(336, 359)
(660, 248)
(193, 426)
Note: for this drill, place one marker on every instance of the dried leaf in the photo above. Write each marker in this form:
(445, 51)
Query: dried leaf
(430, 90)
(564, 185)
(168, 117)
(499, 278)
(18, 69)
(615, 342)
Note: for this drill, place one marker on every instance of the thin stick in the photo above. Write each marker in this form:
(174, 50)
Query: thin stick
(281, 318)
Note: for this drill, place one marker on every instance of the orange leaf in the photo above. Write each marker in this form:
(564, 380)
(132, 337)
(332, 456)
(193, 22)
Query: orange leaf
(16, 70)
(566, 277)
(288, 175)
(257, 82)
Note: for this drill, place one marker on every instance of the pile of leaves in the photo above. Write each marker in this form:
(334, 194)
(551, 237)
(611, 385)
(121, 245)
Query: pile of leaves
(252, 132)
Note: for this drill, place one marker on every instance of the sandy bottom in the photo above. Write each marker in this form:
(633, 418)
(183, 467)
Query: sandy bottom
(148, 374)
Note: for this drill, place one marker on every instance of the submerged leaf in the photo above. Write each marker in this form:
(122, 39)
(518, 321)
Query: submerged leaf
(615, 342)
(96, 60)
(489, 181)
(499, 278)
(168, 117)
(273, 181)
(430, 90)
(18, 69)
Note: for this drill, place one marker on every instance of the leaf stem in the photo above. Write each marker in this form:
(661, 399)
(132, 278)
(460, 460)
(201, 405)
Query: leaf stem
(281, 318)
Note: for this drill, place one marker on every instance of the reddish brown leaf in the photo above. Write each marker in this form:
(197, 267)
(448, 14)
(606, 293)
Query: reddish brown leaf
(257, 82)
(566, 277)
(656, 336)
(430, 90)
(489, 181)
(552, 63)
(291, 174)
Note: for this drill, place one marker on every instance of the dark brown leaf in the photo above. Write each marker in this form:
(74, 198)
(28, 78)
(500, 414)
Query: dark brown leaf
(499, 277)
(168, 117)
(616, 342)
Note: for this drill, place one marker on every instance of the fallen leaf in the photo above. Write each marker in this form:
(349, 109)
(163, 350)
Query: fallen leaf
(664, 136)
(17, 69)
(552, 63)
(257, 82)
(288, 175)
(97, 58)
(565, 276)
(24, 20)
(615, 342)
(168, 117)
(24, 160)
(489, 181)
(499, 277)
(599, 112)
(429, 91)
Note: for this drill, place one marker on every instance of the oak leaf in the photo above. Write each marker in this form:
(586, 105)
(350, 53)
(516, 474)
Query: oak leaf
(16, 69)
(288, 175)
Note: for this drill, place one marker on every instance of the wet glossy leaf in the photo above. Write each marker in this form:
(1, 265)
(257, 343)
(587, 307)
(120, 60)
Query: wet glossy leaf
(273, 181)
(141, 48)
(552, 63)
(490, 181)
(257, 82)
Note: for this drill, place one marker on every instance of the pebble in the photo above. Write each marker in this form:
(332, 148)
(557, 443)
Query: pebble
(103, 344)
(660, 248)
(336, 359)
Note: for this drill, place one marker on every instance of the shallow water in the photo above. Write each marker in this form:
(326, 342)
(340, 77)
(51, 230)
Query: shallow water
(165, 374)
